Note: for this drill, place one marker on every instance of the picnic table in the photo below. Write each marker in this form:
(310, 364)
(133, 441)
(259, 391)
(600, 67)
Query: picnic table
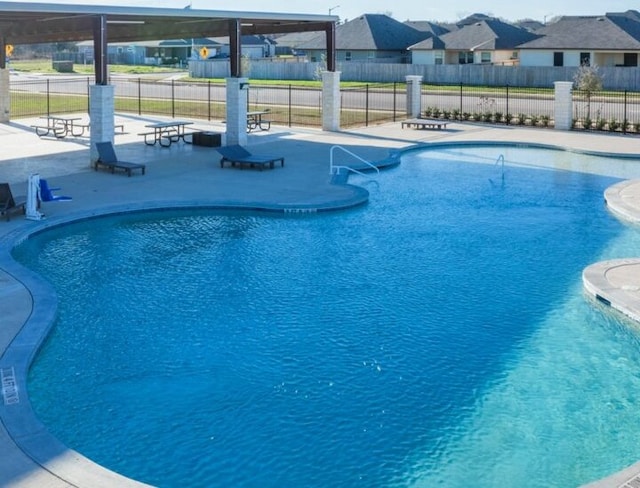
(255, 120)
(166, 133)
(60, 126)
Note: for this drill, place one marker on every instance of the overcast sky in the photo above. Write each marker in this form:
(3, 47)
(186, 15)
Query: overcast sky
(399, 9)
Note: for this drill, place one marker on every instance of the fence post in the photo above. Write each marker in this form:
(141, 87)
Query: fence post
(48, 101)
(624, 119)
(331, 100)
(461, 117)
(88, 94)
(366, 106)
(209, 100)
(139, 97)
(290, 94)
(507, 117)
(563, 105)
(395, 86)
(173, 98)
(414, 95)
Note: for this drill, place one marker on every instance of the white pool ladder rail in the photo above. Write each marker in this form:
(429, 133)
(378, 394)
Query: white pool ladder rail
(500, 160)
(334, 169)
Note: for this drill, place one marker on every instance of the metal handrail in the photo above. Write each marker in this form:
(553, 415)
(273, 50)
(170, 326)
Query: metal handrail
(498, 161)
(335, 169)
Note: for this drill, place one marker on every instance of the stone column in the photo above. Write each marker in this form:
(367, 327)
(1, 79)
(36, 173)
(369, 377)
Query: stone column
(5, 97)
(563, 105)
(237, 95)
(101, 113)
(331, 100)
(414, 96)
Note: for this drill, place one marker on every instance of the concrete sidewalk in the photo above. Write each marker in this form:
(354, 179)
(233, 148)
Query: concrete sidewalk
(184, 175)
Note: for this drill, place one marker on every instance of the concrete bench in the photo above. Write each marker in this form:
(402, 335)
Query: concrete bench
(423, 124)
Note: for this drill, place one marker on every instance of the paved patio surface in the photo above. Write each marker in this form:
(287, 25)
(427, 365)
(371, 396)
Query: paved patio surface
(187, 175)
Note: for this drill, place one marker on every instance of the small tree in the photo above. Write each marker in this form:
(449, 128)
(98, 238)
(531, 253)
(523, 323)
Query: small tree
(320, 67)
(588, 80)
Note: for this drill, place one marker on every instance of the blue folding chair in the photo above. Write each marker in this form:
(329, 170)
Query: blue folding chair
(46, 193)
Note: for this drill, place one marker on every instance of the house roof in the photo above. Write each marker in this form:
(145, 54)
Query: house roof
(426, 26)
(244, 40)
(488, 34)
(428, 44)
(370, 32)
(613, 31)
(162, 43)
(294, 39)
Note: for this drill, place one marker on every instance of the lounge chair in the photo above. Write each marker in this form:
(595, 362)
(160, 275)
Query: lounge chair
(239, 155)
(107, 159)
(8, 204)
(46, 193)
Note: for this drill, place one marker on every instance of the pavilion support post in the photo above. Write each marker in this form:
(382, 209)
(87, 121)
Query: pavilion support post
(237, 96)
(100, 49)
(5, 94)
(331, 84)
(101, 113)
(331, 46)
(101, 95)
(237, 89)
(235, 48)
(3, 53)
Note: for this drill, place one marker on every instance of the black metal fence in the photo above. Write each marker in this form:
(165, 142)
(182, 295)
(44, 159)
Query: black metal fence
(602, 110)
(363, 105)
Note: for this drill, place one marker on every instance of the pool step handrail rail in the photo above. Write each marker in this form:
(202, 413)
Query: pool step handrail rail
(500, 160)
(335, 169)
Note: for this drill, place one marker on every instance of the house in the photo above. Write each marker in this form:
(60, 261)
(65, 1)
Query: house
(176, 51)
(167, 52)
(252, 46)
(487, 41)
(368, 38)
(612, 39)
(288, 44)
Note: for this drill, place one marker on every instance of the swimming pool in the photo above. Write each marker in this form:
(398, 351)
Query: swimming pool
(437, 335)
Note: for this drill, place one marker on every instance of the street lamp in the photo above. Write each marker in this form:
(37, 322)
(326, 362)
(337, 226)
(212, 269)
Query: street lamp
(333, 8)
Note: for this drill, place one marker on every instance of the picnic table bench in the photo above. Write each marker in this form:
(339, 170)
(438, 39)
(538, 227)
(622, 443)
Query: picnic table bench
(255, 120)
(165, 133)
(61, 127)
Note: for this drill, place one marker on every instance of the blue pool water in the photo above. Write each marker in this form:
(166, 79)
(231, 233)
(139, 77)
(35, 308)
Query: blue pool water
(438, 336)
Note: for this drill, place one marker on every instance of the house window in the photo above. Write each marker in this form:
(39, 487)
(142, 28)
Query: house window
(585, 59)
(465, 57)
(485, 57)
(438, 58)
(347, 56)
(631, 59)
(558, 59)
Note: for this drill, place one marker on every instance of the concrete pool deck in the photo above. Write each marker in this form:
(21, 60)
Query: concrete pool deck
(184, 176)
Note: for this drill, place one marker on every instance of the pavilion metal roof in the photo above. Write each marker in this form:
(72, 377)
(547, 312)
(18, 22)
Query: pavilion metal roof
(28, 23)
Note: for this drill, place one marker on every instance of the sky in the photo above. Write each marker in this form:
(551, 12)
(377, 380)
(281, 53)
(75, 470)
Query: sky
(542, 10)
